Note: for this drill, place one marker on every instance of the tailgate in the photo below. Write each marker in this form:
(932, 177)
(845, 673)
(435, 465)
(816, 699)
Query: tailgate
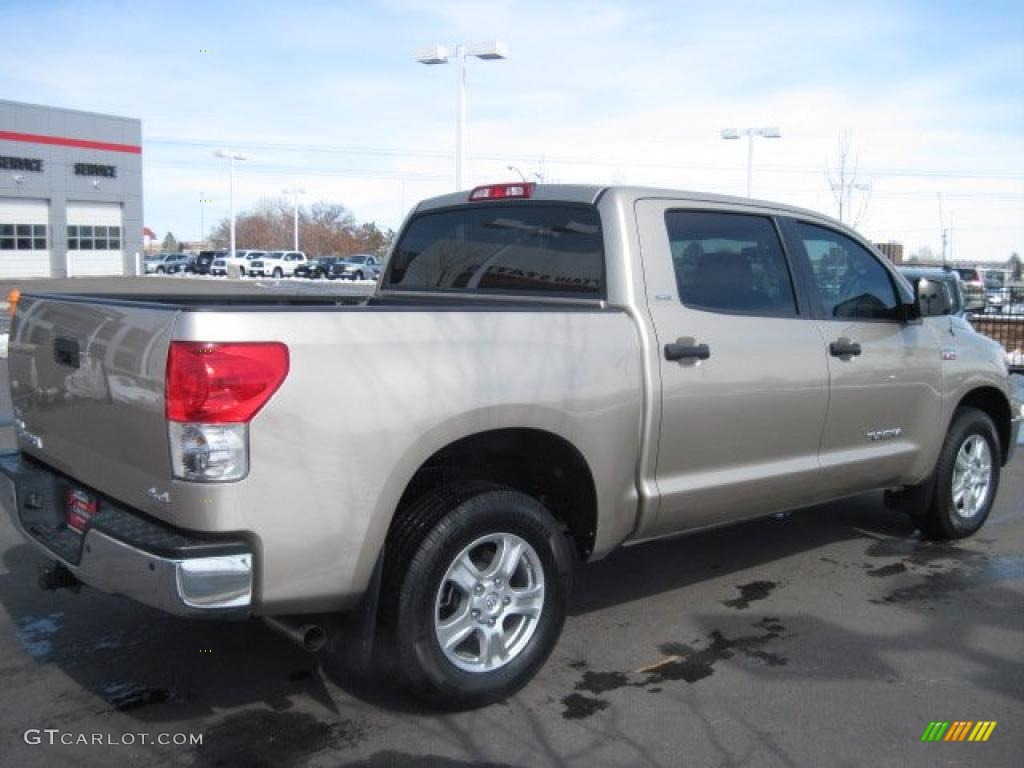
(87, 387)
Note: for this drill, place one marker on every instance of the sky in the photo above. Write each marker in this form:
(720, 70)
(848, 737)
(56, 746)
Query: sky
(329, 97)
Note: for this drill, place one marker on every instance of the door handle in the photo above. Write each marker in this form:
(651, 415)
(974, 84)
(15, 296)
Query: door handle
(66, 352)
(687, 352)
(844, 348)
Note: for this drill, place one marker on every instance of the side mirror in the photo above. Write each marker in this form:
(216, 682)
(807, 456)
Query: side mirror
(933, 298)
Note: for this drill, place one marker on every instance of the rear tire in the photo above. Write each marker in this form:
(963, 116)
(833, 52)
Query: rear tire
(488, 568)
(956, 500)
(278, 274)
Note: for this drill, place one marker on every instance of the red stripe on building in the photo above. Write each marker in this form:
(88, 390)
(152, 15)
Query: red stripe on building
(63, 141)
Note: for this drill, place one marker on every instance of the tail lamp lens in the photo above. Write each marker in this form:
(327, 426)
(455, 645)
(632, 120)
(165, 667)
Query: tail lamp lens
(222, 383)
(212, 393)
(209, 452)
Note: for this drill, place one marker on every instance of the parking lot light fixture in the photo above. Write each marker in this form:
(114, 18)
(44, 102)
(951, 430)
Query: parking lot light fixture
(231, 157)
(438, 54)
(765, 132)
(295, 207)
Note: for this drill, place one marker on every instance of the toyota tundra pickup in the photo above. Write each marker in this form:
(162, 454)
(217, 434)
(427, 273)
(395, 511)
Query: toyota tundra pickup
(544, 373)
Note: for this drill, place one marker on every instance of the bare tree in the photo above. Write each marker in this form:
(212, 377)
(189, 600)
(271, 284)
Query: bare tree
(325, 228)
(852, 193)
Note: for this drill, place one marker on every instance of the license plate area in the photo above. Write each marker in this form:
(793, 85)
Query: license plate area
(81, 507)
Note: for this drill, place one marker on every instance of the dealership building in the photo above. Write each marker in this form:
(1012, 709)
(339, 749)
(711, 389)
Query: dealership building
(70, 192)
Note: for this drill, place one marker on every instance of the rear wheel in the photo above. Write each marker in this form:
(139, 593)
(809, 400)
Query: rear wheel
(956, 500)
(278, 273)
(478, 580)
(359, 276)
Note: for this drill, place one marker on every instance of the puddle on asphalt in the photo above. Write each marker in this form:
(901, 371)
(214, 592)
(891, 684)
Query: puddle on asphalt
(941, 569)
(124, 697)
(265, 739)
(681, 662)
(888, 570)
(749, 593)
(34, 633)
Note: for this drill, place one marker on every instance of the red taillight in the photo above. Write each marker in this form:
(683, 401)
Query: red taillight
(502, 191)
(222, 383)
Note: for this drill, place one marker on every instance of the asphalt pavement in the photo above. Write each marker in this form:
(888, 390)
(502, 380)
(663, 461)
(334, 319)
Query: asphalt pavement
(828, 637)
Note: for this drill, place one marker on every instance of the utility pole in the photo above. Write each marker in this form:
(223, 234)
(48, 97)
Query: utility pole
(295, 208)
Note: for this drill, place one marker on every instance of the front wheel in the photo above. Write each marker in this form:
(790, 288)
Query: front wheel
(956, 500)
(278, 274)
(481, 581)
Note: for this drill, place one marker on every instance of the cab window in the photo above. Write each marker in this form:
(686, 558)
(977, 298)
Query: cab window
(851, 282)
(731, 263)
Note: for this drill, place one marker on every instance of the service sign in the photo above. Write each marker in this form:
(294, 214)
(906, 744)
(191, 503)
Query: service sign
(91, 169)
(33, 164)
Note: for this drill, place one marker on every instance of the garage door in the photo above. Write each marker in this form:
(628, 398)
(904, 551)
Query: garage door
(95, 239)
(24, 238)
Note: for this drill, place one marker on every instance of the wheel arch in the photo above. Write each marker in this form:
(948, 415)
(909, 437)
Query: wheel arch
(993, 402)
(537, 462)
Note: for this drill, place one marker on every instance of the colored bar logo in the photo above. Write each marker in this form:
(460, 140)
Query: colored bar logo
(959, 730)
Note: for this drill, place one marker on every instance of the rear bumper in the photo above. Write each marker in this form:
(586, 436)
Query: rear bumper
(124, 553)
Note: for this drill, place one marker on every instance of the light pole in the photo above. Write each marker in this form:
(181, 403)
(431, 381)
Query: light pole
(231, 157)
(439, 54)
(768, 132)
(295, 204)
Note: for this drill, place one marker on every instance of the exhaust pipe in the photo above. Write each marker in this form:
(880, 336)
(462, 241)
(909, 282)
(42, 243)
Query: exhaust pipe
(310, 637)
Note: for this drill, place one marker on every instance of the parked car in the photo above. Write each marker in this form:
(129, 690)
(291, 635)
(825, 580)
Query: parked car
(155, 263)
(278, 263)
(946, 277)
(184, 263)
(997, 282)
(151, 261)
(974, 288)
(362, 266)
(317, 268)
(242, 259)
(204, 261)
(569, 369)
(167, 263)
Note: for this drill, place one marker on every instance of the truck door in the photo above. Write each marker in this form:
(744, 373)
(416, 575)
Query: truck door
(744, 379)
(885, 373)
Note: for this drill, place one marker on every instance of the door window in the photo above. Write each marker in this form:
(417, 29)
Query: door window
(732, 263)
(851, 282)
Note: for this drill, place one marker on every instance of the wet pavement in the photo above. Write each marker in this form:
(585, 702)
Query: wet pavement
(831, 636)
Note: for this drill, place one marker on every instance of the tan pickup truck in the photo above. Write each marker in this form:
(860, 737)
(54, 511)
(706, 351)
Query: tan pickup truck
(544, 373)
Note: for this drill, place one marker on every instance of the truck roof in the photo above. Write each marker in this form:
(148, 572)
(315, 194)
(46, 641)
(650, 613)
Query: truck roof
(590, 193)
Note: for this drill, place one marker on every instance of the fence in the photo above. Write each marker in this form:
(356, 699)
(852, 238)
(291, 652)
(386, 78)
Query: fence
(1003, 320)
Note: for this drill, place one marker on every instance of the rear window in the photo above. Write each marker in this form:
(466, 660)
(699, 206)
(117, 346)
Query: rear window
(554, 250)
